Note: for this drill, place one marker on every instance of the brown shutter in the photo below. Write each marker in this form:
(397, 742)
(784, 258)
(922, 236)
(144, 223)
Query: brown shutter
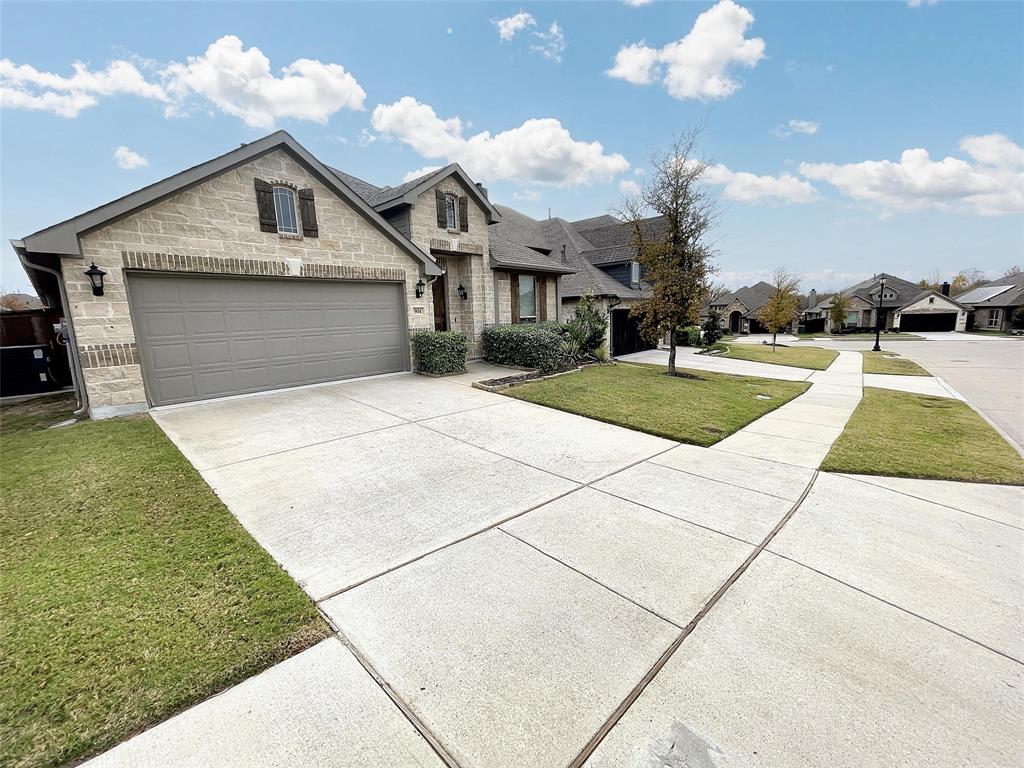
(442, 218)
(307, 209)
(514, 282)
(542, 298)
(464, 213)
(265, 206)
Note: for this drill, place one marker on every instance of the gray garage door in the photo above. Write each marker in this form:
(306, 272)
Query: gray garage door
(202, 337)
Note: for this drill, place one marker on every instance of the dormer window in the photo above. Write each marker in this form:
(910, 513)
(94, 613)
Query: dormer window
(888, 295)
(634, 273)
(284, 207)
(451, 211)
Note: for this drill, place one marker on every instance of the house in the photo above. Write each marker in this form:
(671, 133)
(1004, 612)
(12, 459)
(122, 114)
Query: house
(996, 305)
(738, 310)
(265, 268)
(904, 306)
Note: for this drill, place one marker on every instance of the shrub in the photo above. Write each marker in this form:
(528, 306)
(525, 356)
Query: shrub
(540, 346)
(585, 331)
(439, 352)
(689, 336)
(712, 329)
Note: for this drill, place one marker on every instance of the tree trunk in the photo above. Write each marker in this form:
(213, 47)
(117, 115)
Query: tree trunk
(672, 351)
(773, 340)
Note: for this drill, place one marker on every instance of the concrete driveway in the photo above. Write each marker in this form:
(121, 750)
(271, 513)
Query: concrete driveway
(516, 586)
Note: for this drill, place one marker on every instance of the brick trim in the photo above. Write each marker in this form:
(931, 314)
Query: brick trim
(218, 265)
(223, 265)
(107, 355)
(350, 272)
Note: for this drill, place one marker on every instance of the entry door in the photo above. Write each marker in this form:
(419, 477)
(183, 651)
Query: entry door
(202, 337)
(440, 289)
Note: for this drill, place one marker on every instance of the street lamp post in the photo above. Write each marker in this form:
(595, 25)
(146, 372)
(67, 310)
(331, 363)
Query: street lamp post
(878, 315)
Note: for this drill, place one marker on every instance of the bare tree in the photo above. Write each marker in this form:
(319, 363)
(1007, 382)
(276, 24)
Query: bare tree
(784, 304)
(1011, 271)
(966, 279)
(674, 250)
(717, 290)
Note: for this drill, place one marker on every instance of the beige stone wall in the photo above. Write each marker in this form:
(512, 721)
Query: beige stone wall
(218, 220)
(470, 267)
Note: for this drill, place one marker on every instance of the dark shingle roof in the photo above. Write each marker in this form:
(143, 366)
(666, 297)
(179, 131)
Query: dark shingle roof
(508, 254)
(595, 221)
(1013, 296)
(364, 189)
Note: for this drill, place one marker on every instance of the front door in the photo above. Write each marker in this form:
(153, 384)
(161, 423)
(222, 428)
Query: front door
(440, 289)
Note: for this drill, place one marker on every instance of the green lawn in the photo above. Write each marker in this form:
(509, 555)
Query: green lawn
(906, 435)
(884, 362)
(127, 589)
(859, 337)
(700, 410)
(800, 357)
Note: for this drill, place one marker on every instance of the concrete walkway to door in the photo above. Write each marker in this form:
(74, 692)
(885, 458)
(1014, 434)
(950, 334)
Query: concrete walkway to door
(517, 586)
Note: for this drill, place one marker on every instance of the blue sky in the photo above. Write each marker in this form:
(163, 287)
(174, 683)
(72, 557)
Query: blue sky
(562, 117)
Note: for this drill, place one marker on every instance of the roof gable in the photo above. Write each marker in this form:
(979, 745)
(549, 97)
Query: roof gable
(63, 238)
(406, 193)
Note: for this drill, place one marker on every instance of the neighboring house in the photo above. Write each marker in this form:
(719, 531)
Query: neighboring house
(931, 310)
(864, 302)
(738, 310)
(995, 305)
(264, 268)
(597, 257)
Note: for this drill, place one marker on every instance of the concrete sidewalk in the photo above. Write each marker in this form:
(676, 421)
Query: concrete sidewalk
(803, 430)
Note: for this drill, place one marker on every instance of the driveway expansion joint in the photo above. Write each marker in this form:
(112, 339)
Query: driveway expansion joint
(638, 689)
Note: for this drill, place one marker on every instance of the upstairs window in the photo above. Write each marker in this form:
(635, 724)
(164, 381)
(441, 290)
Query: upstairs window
(451, 211)
(634, 273)
(284, 207)
(888, 295)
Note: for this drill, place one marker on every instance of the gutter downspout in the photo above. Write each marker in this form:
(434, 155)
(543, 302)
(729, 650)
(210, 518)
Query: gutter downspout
(76, 366)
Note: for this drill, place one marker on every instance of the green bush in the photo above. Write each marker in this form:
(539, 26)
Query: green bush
(688, 336)
(712, 329)
(586, 330)
(439, 352)
(528, 345)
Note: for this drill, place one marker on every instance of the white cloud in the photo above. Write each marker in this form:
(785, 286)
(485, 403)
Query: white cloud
(552, 43)
(25, 87)
(420, 172)
(807, 127)
(697, 66)
(919, 3)
(637, 3)
(510, 26)
(549, 43)
(992, 186)
(128, 159)
(237, 81)
(629, 187)
(240, 82)
(527, 195)
(750, 188)
(993, 149)
(539, 151)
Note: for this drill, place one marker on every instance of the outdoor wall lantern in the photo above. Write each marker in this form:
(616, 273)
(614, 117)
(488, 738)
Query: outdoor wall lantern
(96, 278)
(420, 285)
(462, 293)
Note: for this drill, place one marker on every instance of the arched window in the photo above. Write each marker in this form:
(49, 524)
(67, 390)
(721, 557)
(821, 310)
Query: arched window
(284, 206)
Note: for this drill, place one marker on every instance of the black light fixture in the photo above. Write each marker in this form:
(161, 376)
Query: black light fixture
(420, 285)
(95, 275)
(878, 316)
(462, 293)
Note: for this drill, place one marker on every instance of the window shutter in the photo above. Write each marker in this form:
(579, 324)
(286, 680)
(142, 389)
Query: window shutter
(442, 218)
(463, 213)
(307, 209)
(514, 281)
(542, 298)
(265, 206)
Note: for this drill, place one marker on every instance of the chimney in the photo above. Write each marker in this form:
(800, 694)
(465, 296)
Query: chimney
(944, 289)
(482, 188)
(812, 298)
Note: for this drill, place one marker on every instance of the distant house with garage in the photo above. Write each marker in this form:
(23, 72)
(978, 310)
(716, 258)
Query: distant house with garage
(737, 311)
(265, 268)
(996, 305)
(897, 305)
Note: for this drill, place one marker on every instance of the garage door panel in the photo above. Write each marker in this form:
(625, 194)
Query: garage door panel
(202, 337)
(928, 321)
